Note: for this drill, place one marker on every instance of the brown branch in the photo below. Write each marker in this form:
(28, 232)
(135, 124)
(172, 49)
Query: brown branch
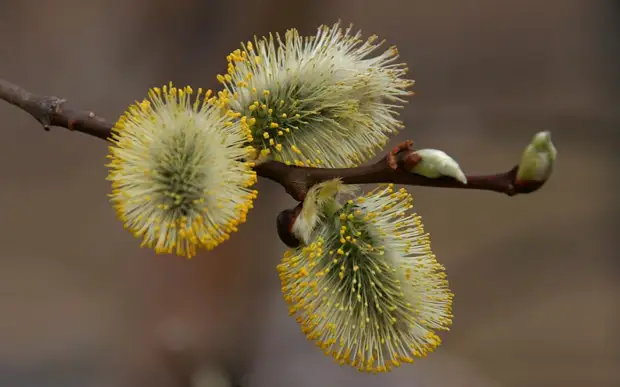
(297, 180)
(53, 111)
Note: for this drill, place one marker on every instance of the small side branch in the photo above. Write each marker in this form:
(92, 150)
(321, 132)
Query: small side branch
(394, 168)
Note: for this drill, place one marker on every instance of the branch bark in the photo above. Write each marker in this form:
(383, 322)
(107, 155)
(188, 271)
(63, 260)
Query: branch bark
(54, 111)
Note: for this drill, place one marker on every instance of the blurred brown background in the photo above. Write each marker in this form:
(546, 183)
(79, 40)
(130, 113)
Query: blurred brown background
(535, 277)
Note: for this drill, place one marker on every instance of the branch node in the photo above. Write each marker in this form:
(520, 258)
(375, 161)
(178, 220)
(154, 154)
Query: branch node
(71, 124)
(403, 156)
(49, 107)
(297, 188)
(392, 157)
(410, 159)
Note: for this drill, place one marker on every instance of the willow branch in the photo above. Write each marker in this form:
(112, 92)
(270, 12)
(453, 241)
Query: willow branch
(52, 111)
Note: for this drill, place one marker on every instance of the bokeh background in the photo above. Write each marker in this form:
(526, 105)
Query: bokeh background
(536, 276)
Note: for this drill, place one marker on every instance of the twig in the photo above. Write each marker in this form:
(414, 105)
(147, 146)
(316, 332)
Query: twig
(52, 111)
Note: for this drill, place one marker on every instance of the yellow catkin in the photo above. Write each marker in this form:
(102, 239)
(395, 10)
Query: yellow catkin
(327, 100)
(366, 288)
(180, 179)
